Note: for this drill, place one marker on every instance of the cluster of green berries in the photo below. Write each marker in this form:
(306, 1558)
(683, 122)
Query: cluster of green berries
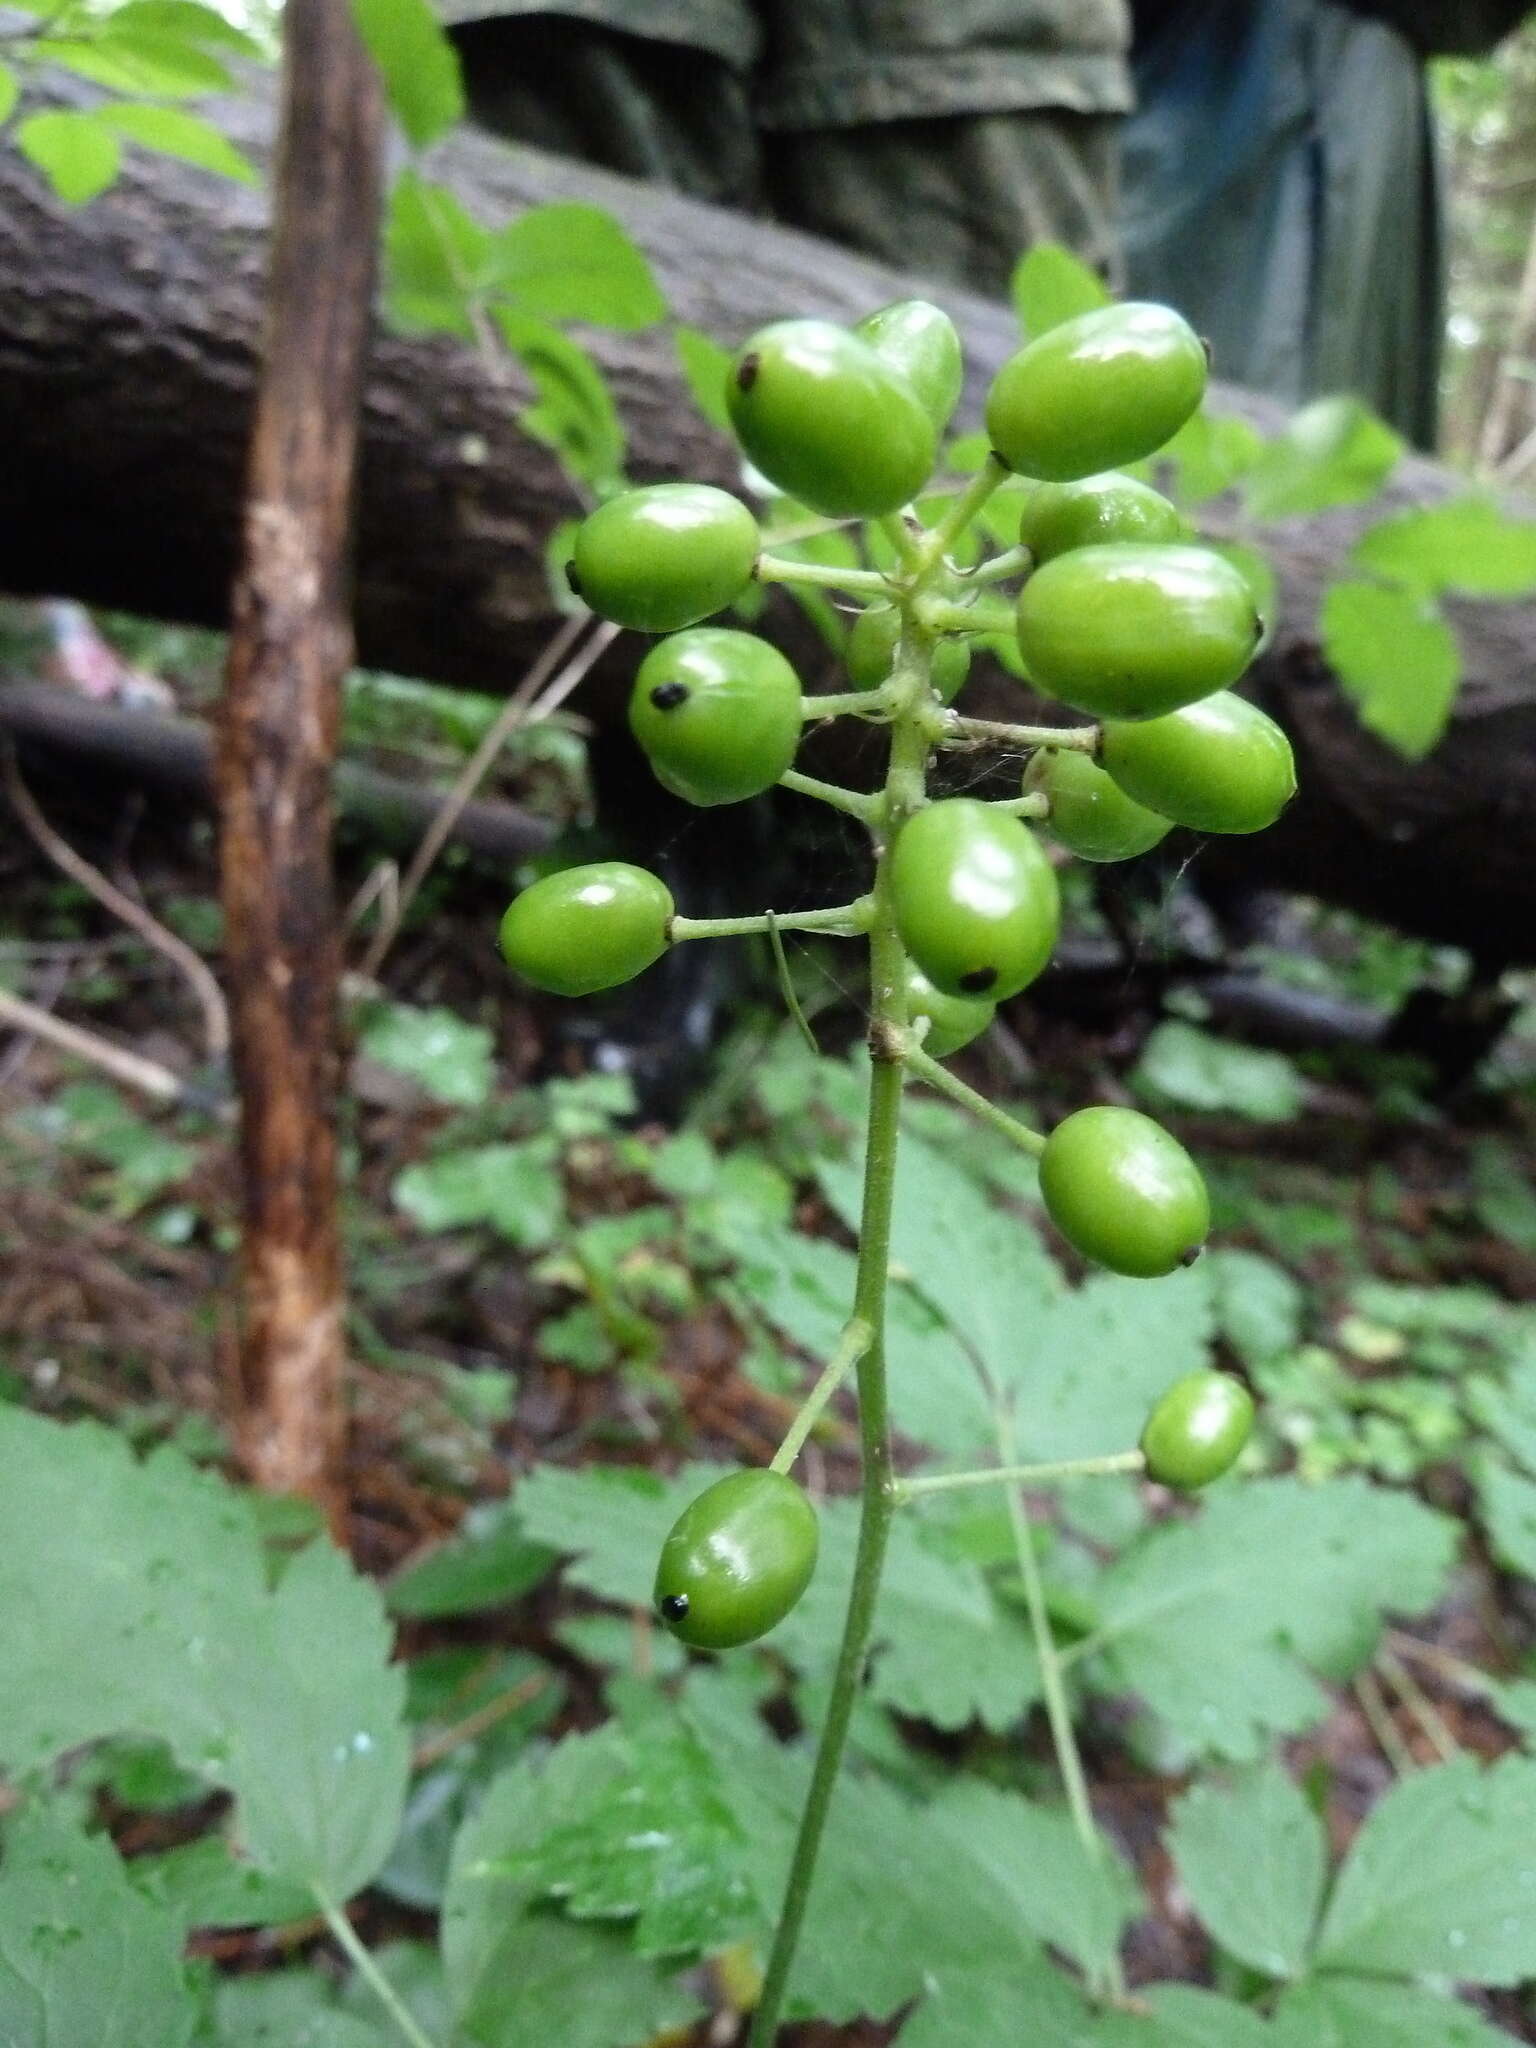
(1120, 614)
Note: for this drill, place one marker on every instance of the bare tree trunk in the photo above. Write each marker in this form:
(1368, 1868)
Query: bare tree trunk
(290, 646)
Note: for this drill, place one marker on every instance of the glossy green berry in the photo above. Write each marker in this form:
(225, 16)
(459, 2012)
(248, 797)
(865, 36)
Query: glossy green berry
(920, 341)
(587, 928)
(736, 1560)
(1094, 511)
(1124, 1192)
(1137, 630)
(1090, 814)
(717, 714)
(871, 653)
(1096, 392)
(1221, 765)
(953, 1021)
(665, 556)
(828, 420)
(1197, 1430)
(976, 900)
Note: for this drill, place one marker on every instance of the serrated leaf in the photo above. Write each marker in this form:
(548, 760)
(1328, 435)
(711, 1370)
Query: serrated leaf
(453, 1061)
(1507, 1506)
(490, 1562)
(1182, 1064)
(84, 1956)
(1470, 547)
(149, 1610)
(1335, 451)
(1219, 1623)
(436, 259)
(1049, 285)
(77, 156)
(419, 65)
(1014, 1999)
(1080, 1905)
(126, 58)
(705, 364)
(518, 1974)
(1441, 1878)
(569, 261)
(574, 413)
(171, 131)
(1344, 2012)
(514, 1189)
(1254, 1861)
(1396, 658)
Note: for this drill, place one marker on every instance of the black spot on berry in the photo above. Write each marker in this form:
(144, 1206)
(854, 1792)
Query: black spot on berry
(674, 1606)
(573, 581)
(667, 696)
(1192, 1256)
(746, 375)
(978, 981)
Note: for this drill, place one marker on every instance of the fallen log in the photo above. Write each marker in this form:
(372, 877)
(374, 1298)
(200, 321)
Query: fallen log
(127, 336)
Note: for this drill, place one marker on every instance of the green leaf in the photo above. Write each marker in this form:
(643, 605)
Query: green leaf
(1254, 1861)
(1440, 1879)
(149, 1609)
(420, 66)
(1032, 1854)
(84, 1957)
(289, 2009)
(513, 1189)
(10, 92)
(1049, 285)
(1469, 547)
(1179, 2016)
(1219, 1623)
(453, 1061)
(1207, 456)
(574, 413)
(77, 156)
(489, 1563)
(1259, 1307)
(516, 1974)
(124, 58)
(206, 1885)
(1396, 658)
(170, 131)
(187, 21)
(436, 260)
(1507, 1505)
(569, 261)
(1184, 1065)
(705, 364)
(1335, 451)
(1344, 2012)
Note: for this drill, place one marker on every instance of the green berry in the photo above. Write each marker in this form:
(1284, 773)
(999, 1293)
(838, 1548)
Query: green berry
(828, 420)
(736, 1560)
(871, 653)
(1197, 1430)
(665, 556)
(1221, 765)
(1124, 1192)
(1135, 631)
(717, 713)
(976, 899)
(587, 928)
(1090, 814)
(1093, 511)
(921, 342)
(953, 1021)
(1096, 392)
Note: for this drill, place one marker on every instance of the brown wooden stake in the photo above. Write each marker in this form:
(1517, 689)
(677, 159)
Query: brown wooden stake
(290, 646)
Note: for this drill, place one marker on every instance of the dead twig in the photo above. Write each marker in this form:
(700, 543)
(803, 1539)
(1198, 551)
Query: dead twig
(128, 1067)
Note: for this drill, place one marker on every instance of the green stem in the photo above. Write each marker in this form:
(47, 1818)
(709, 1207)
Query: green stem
(865, 808)
(960, 514)
(1011, 562)
(888, 1039)
(851, 1347)
(980, 615)
(1023, 1475)
(901, 538)
(781, 569)
(1052, 1683)
(860, 703)
(1035, 804)
(923, 1067)
(346, 1939)
(1082, 739)
(847, 920)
